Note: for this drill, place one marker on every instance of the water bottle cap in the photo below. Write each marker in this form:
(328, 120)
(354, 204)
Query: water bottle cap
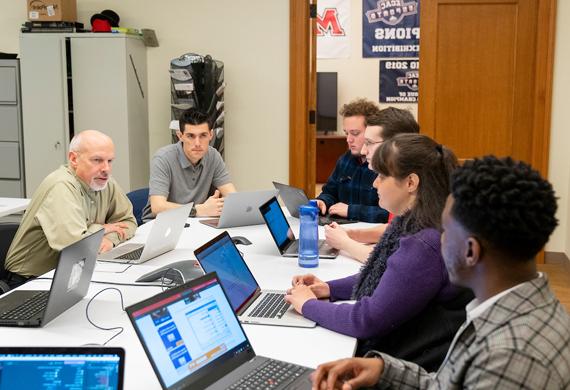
(308, 209)
(313, 202)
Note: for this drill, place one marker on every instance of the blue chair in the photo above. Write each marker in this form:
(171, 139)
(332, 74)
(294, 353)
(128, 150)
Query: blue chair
(138, 198)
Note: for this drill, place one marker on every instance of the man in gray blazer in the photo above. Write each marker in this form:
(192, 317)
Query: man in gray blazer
(517, 334)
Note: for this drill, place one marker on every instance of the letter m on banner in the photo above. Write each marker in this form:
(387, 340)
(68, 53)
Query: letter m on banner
(328, 24)
(333, 29)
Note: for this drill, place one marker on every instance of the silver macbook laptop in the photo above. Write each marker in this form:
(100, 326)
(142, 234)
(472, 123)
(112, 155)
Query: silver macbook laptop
(88, 368)
(294, 197)
(282, 234)
(194, 341)
(241, 209)
(69, 286)
(163, 237)
(252, 305)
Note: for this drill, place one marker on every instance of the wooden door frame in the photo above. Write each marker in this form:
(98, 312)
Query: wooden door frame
(544, 73)
(302, 140)
(302, 85)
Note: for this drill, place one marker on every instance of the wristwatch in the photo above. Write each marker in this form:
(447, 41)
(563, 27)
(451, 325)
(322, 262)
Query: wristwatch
(192, 212)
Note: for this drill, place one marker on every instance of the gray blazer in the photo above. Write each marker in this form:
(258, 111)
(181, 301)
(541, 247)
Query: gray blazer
(521, 342)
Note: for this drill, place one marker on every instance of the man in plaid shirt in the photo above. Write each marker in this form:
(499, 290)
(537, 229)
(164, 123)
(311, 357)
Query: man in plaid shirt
(348, 191)
(517, 334)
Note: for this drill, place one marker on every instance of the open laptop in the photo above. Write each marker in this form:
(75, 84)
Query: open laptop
(163, 237)
(294, 197)
(194, 341)
(252, 305)
(89, 368)
(240, 209)
(282, 234)
(70, 284)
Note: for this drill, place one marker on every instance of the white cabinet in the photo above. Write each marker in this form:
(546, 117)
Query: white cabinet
(74, 82)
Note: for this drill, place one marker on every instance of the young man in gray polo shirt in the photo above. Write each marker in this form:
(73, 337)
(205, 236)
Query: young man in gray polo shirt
(184, 172)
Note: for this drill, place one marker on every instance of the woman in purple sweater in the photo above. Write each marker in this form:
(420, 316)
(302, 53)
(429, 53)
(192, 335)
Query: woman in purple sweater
(405, 304)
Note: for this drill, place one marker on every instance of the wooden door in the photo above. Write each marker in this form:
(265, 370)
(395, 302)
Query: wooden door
(486, 76)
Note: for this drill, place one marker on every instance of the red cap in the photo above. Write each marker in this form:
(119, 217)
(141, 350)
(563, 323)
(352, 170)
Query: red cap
(100, 25)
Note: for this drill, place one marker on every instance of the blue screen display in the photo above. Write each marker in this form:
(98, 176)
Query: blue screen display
(59, 371)
(187, 332)
(276, 222)
(223, 257)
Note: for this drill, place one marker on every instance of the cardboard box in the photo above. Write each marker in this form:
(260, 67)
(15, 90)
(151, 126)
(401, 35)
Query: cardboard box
(52, 10)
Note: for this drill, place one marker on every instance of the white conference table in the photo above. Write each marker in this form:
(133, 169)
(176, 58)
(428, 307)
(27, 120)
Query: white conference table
(12, 205)
(308, 347)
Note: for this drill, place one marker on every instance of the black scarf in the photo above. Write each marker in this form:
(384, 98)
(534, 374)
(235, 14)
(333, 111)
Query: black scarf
(372, 271)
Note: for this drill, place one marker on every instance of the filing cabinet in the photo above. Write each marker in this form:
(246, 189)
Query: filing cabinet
(11, 139)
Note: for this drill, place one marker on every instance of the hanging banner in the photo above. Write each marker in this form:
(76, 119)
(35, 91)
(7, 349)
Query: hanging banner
(399, 81)
(390, 28)
(333, 29)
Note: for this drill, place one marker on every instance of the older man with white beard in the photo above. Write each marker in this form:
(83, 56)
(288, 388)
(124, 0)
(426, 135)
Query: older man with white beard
(72, 202)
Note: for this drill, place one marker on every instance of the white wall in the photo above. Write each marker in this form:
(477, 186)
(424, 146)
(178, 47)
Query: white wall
(559, 163)
(253, 42)
(251, 37)
(357, 76)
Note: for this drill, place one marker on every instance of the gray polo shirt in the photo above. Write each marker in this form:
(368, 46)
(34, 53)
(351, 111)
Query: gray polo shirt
(173, 175)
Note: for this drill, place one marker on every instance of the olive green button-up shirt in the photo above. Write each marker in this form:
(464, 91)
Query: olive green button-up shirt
(63, 210)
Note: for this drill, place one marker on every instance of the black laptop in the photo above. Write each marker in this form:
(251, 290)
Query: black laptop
(194, 340)
(252, 304)
(283, 235)
(69, 286)
(294, 197)
(88, 368)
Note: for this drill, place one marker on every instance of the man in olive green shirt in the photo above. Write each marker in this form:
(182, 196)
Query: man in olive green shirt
(74, 201)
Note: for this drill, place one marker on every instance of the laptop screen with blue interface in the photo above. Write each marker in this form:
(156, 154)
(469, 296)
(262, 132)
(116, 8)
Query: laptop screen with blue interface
(276, 222)
(221, 256)
(185, 332)
(40, 370)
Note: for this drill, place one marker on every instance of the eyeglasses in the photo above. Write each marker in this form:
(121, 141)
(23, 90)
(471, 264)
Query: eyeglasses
(369, 143)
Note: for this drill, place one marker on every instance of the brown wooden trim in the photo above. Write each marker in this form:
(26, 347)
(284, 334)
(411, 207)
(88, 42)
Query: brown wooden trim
(312, 130)
(557, 258)
(302, 136)
(543, 90)
(428, 65)
(544, 79)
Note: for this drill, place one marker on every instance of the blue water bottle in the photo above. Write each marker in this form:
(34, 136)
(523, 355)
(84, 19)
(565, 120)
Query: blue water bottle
(309, 235)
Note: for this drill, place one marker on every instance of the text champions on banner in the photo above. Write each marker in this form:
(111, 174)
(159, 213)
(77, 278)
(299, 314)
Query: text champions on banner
(399, 81)
(333, 29)
(390, 28)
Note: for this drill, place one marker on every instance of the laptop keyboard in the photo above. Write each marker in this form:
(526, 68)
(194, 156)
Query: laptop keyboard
(133, 255)
(271, 374)
(29, 308)
(328, 219)
(272, 305)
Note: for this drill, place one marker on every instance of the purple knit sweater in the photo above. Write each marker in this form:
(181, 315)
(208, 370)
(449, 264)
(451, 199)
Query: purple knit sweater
(415, 276)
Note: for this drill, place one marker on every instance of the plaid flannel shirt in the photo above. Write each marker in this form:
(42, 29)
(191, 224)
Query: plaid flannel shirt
(521, 342)
(351, 183)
